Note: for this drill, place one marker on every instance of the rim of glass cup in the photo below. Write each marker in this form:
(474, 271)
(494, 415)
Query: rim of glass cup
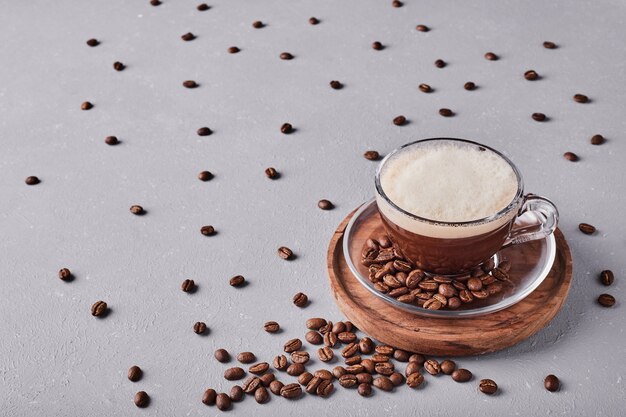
(512, 205)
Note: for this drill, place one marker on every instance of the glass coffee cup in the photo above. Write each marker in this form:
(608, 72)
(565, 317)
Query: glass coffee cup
(448, 205)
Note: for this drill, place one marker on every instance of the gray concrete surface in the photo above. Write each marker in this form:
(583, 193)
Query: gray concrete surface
(56, 359)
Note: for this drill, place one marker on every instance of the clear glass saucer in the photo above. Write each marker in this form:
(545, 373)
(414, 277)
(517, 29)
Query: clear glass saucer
(526, 276)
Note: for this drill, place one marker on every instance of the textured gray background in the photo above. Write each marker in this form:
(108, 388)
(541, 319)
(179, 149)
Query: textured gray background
(56, 359)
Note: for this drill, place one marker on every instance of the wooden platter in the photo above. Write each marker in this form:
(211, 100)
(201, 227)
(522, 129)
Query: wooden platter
(445, 336)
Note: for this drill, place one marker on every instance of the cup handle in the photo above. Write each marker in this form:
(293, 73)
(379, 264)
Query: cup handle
(537, 218)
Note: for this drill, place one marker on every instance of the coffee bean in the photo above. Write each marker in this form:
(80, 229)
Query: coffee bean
(401, 355)
(422, 28)
(488, 386)
(597, 140)
(364, 377)
(237, 281)
(271, 327)
(271, 173)
(418, 358)
(155, 2)
(414, 380)
(397, 3)
(259, 368)
(327, 328)
(377, 358)
(348, 381)
(549, 45)
(336, 85)
(236, 393)
(300, 357)
(469, 86)
(425, 88)
(276, 386)
(142, 399)
(314, 337)
(346, 337)
(531, 75)
(251, 384)
(428, 285)
(188, 37)
(137, 210)
(538, 117)
(305, 378)
(223, 401)
(581, 98)
(286, 128)
(384, 350)
(234, 373)
(188, 285)
(447, 366)
(447, 290)
(490, 56)
(412, 368)
(205, 176)
(246, 357)
(325, 389)
(86, 106)
(432, 366)
(356, 369)
(300, 300)
(222, 355)
(292, 345)
(364, 390)
(399, 121)
(461, 375)
(286, 56)
(551, 383)
(368, 365)
(233, 50)
(311, 384)
(378, 46)
(474, 284)
(313, 21)
(366, 345)
(209, 396)
(384, 368)
(440, 63)
(446, 112)
(353, 360)
(111, 140)
(190, 84)
(199, 327)
(66, 275)
(607, 277)
(315, 323)
(570, 156)
(285, 253)
(280, 362)
(257, 24)
(325, 354)
(267, 379)
(93, 42)
(481, 294)
(606, 300)
(586, 228)
(371, 155)
(383, 383)
(291, 391)
(203, 7)
(134, 373)
(350, 350)
(99, 309)
(454, 303)
(338, 371)
(204, 131)
(261, 396)
(118, 66)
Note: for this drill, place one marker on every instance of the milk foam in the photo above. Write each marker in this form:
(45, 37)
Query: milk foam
(447, 181)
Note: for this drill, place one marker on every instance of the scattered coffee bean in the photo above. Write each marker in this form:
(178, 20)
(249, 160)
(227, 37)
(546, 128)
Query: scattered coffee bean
(371, 155)
(188, 285)
(286, 128)
(432, 366)
(271, 327)
(446, 112)
(188, 37)
(234, 373)
(597, 140)
(134, 373)
(236, 393)
(251, 384)
(111, 140)
(259, 368)
(350, 350)
(401, 355)
(223, 402)
(606, 300)
(399, 121)
(276, 386)
(66, 275)
(418, 358)
(233, 50)
(538, 117)
(490, 56)
(155, 2)
(267, 379)
(364, 390)
(315, 323)
(336, 85)
(586, 228)
(348, 381)
(414, 380)
(580, 98)
(384, 350)
(257, 24)
(353, 360)
(300, 299)
(338, 371)
(325, 205)
(291, 391)
(190, 84)
(137, 210)
(246, 357)
(86, 106)
(314, 337)
(118, 66)
(280, 362)
(366, 345)
(325, 354)
(570, 156)
(205, 176)
(222, 355)
(261, 395)
(440, 63)
(531, 75)
(422, 28)
(304, 378)
(469, 86)
(204, 131)
(412, 368)
(425, 88)
(396, 379)
(207, 230)
(292, 345)
(199, 327)
(549, 45)
(300, 356)
(551, 383)
(383, 383)
(285, 253)
(271, 173)
(237, 281)
(461, 375)
(93, 42)
(203, 7)
(99, 309)
(286, 56)
(142, 399)
(397, 3)
(488, 386)
(377, 46)
(209, 396)
(607, 277)
(448, 366)
(313, 21)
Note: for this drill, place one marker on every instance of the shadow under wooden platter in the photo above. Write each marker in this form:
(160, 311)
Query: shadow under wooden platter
(445, 336)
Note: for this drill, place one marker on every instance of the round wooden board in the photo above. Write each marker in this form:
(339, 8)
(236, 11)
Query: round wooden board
(443, 336)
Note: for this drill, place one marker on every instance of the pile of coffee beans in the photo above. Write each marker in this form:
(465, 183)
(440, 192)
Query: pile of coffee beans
(397, 277)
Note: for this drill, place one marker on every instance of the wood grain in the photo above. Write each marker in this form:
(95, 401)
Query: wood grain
(443, 336)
